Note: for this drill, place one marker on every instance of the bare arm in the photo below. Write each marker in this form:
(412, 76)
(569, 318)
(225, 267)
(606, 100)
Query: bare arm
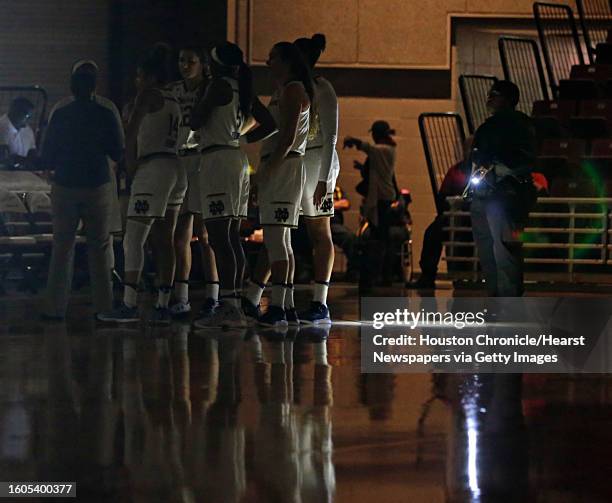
(218, 93)
(328, 120)
(146, 102)
(266, 124)
(290, 105)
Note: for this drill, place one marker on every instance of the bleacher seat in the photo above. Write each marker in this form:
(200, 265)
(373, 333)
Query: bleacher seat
(578, 89)
(14, 216)
(603, 53)
(597, 73)
(560, 157)
(588, 127)
(39, 205)
(600, 159)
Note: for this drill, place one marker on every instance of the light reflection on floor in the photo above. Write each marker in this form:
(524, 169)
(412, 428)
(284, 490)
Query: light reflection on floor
(167, 415)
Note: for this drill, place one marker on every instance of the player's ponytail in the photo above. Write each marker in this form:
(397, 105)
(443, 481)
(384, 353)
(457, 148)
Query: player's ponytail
(228, 59)
(311, 48)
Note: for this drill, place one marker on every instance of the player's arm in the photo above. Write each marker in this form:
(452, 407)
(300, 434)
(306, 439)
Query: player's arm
(290, 106)
(218, 93)
(146, 102)
(260, 124)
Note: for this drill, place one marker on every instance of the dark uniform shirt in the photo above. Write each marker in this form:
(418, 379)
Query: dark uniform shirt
(79, 138)
(507, 137)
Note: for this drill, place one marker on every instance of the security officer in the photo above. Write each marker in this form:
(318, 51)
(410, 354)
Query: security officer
(501, 189)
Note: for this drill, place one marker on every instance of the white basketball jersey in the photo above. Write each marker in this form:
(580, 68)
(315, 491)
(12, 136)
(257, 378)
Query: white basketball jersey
(187, 139)
(158, 133)
(225, 122)
(301, 136)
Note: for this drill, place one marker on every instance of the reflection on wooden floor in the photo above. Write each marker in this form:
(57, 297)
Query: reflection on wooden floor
(166, 415)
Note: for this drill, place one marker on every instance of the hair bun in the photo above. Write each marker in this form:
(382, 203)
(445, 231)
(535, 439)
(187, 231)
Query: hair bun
(319, 41)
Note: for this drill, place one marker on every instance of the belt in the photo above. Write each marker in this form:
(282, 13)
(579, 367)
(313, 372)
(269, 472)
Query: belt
(291, 155)
(157, 155)
(185, 152)
(216, 148)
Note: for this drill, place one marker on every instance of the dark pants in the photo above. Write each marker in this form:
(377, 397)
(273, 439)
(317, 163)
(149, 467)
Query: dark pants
(498, 246)
(378, 256)
(432, 248)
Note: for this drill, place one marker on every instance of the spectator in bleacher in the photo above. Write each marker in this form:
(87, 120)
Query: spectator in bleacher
(16, 136)
(342, 236)
(505, 145)
(453, 184)
(90, 67)
(79, 138)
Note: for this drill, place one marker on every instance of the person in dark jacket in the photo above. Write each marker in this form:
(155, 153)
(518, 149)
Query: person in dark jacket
(501, 188)
(78, 141)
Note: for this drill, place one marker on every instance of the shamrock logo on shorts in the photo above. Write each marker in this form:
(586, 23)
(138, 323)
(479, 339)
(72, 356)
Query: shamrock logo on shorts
(141, 206)
(281, 214)
(327, 205)
(216, 207)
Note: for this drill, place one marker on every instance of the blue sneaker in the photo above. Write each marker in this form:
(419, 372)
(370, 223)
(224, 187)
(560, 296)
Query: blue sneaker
(317, 314)
(160, 316)
(250, 310)
(273, 317)
(121, 314)
(208, 308)
(292, 317)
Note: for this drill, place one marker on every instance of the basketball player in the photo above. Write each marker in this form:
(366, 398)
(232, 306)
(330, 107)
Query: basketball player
(281, 175)
(158, 185)
(194, 68)
(221, 116)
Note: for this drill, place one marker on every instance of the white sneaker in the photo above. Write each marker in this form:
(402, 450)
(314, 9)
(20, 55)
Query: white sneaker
(180, 309)
(224, 316)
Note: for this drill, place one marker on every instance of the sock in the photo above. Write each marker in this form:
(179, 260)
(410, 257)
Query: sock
(212, 290)
(163, 296)
(278, 295)
(320, 353)
(320, 292)
(254, 292)
(181, 291)
(130, 295)
(289, 304)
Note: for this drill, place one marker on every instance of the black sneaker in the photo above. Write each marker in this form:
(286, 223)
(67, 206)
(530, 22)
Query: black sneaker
(273, 317)
(423, 283)
(160, 316)
(250, 310)
(317, 314)
(292, 317)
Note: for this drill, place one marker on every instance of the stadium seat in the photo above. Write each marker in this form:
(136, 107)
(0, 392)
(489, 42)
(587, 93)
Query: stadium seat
(603, 53)
(560, 157)
(600, 159)
(588, 127)
(14, 216)
(578, 89)
(39, 205)
(591, 72)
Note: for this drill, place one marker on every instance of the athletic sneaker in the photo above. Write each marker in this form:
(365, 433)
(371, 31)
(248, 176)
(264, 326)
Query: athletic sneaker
(250, 310)
(180, 309)
(208, 308)
(292, 317)
(274, 316)
(121, 314)
(224, 316)
(160, 316)
(317, 314)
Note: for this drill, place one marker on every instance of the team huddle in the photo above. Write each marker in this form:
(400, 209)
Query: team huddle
(189, 175)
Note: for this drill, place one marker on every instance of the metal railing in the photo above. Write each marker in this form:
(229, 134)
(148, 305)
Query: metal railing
(595, 19)
(559, 41)
(443, 137)
(474, 91)
(522, 64)
(566, 239)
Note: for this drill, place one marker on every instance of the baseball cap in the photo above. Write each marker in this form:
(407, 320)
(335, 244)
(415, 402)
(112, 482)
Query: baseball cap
(84, 62)
(382, 128)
